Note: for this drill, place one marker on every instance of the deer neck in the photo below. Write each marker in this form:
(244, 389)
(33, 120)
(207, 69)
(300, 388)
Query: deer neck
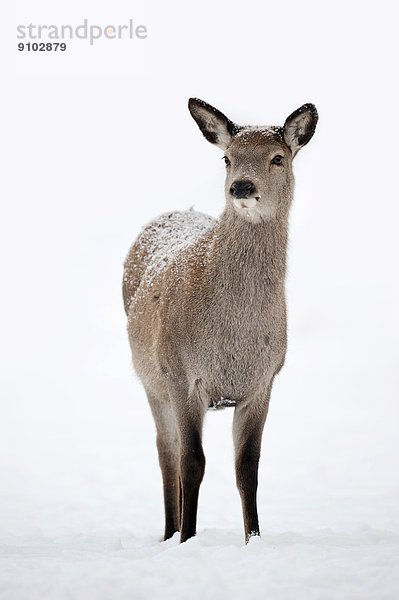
(249, 256)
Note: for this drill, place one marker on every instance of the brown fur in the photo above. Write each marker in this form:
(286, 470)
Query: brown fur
(209, 323)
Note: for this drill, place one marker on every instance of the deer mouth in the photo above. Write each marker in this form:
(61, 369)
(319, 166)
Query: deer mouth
(247, 203)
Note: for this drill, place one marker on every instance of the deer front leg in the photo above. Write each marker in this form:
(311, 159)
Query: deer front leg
(192, 467)
(190, 411)
(248, 426)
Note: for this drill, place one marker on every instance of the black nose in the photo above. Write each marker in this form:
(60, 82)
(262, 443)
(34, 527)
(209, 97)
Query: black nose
(242, 189)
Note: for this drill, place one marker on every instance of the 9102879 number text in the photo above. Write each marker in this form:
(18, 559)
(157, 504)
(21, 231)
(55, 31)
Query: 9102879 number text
(42, 46)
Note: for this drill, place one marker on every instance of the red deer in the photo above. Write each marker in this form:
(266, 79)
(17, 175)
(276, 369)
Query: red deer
(205, 300)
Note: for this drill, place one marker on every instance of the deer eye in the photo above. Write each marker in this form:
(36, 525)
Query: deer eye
(277, 160)
(226, 161)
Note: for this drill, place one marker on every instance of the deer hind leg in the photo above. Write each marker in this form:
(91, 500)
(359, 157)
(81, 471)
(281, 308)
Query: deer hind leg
(248, 423)
(168, 445)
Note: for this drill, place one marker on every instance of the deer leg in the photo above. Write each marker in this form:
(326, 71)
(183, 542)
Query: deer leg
(248, 423)
(190, 415)
(180, 502)
(192, 467)
(169, 457)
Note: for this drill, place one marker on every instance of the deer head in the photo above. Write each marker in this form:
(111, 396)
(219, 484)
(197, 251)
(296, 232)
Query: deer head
(259, 178)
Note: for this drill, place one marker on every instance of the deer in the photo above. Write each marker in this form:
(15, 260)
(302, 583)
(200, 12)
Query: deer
(206, 309)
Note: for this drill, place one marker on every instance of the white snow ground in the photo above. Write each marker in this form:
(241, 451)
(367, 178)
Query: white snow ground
(81, 507)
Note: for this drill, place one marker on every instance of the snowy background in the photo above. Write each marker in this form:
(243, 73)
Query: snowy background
(94, 146)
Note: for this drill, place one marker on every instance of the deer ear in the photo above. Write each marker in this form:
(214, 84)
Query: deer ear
(217, 128)
(300, 127)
